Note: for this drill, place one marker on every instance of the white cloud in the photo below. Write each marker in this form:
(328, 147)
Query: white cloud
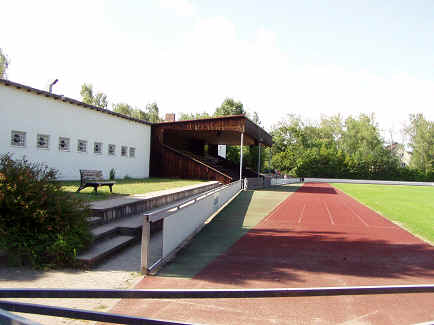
(211, 63)
(181, 7)
(196, 69)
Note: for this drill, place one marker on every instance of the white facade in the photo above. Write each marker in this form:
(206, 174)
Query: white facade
(37, 116)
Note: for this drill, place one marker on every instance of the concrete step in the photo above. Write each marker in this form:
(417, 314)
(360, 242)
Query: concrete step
(126, 226)
(118, 222)
(102, 249)
(94, 221)
(110, 210)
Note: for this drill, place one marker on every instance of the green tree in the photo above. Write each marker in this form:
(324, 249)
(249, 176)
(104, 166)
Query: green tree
(123, 108)
(361, 136)
(421, 133)
(4, 64)
(332, 148)
(193, 116)
(153, 113)
(255, 118)
(128, 110)
(230, 107)
(88, 97)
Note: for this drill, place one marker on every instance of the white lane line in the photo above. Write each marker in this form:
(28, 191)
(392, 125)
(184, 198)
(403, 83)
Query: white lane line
(357, 215)
(301, 214)
(330, 215)
(355, 320)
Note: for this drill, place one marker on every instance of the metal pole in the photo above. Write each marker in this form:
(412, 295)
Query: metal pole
(241, 155)
(146, 237)
(259, 159)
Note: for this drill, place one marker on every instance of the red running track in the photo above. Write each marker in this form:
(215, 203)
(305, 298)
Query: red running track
(319, 236)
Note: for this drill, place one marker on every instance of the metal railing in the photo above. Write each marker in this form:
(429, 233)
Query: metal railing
(284, 181)
(8, 318)
(261, 182)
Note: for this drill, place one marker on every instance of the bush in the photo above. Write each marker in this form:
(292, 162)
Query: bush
(39, 223)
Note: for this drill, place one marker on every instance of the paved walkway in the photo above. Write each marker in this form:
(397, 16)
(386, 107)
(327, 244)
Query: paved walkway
(316, 237)
(120, 272)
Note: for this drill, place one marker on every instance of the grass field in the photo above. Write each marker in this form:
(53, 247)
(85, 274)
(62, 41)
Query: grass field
(126, 187)
(410, 206)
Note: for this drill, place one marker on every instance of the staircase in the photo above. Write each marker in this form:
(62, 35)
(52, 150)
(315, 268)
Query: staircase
(223, 165)
(117, 223)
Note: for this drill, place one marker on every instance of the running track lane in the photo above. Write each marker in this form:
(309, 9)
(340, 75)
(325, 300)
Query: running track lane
(317, 237)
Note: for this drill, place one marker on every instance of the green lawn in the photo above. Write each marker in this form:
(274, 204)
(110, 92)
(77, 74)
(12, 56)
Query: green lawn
(126, 187)
(410, 206)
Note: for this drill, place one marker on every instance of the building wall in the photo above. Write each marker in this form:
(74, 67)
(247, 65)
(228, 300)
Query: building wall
(35, 114)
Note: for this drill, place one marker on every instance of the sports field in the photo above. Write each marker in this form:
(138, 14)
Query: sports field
(410, 206)
(288, 236)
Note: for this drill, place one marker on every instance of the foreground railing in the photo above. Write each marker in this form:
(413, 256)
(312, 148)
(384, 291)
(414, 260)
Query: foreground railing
(166, 230)
(169, 294)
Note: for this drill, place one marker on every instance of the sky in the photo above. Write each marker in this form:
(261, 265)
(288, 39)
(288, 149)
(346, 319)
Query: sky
(309, 58)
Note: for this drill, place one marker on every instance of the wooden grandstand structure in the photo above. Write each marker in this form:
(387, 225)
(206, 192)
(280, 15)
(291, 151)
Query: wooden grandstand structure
(178, 147)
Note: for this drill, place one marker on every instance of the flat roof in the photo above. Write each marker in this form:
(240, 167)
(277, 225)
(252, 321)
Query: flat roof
(225, 129)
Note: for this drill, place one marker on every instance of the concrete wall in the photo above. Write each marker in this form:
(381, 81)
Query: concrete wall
(35, 114)
(181, 225)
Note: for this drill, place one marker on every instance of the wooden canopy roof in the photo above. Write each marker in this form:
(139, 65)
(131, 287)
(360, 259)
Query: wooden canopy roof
(219, 130)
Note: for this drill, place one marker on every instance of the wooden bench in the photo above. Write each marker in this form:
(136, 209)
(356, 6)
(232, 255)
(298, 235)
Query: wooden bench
(93, 178)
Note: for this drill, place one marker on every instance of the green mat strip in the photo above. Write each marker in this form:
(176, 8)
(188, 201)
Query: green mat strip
(234, 221)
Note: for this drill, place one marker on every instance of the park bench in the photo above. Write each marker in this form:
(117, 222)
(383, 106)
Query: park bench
(93, 178)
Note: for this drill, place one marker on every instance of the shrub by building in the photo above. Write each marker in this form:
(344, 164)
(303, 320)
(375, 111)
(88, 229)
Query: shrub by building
(39, 223)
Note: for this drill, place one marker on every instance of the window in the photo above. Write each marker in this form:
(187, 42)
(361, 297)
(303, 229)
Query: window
(97, 148)
(42, 141)
(18, 138)
(111, 149)
(132, 152)
(82, 146)
(124, 151)
(64, 144)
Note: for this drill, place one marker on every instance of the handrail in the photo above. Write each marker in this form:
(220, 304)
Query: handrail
(7, 318)
(213, 293)
(91, 315)
(196, 160)
(174, 294)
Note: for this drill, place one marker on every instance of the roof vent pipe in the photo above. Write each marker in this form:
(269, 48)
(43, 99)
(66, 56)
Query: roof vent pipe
(52, 84)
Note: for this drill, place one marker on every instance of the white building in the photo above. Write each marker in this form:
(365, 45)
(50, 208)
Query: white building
(69, 135)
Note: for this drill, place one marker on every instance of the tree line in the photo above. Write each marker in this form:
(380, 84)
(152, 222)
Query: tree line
(352, 148)
(150, 113)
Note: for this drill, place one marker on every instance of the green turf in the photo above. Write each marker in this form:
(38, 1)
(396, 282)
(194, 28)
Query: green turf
(235, 220)
(410, 206)
(126, 187)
